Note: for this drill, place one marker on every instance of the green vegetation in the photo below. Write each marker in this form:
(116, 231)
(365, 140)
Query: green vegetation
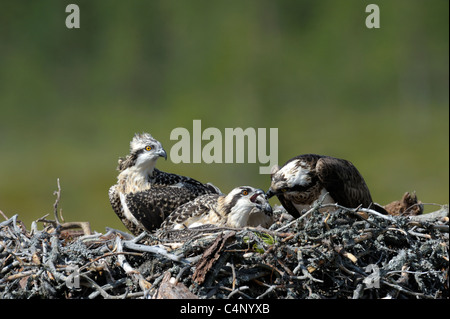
(71, 99)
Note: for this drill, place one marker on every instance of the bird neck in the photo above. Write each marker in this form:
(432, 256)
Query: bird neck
(146, 168)
(237, 216)
(136, 178)
(257, 217)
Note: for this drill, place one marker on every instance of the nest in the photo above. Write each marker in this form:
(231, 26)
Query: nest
(350, 253)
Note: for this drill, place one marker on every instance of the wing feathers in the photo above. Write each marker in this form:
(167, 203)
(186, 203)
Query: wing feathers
(163, 179)
(343, 181)
(305, 177)
(191, 211)
(150, 207)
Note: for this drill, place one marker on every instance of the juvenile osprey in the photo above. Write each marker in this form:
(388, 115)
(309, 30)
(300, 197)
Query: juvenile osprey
(306, 178)
(243, 206)
(144, 196)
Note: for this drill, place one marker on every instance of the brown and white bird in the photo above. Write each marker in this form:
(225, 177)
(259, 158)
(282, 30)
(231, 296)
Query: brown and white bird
(243, 206)
(143, 195)
(305, 179)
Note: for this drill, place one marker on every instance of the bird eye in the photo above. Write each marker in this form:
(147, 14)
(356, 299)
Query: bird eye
(148, 148)
(244, 192)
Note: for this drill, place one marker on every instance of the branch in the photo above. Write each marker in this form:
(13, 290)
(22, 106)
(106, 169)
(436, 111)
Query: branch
(55, 205)
(153, 249)
(441, 213)
(144, 284)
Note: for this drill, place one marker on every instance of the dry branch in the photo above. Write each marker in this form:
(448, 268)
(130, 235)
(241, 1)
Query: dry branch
(351, 253)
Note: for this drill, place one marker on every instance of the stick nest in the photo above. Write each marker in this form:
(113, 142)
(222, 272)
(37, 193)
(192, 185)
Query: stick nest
(351, 253)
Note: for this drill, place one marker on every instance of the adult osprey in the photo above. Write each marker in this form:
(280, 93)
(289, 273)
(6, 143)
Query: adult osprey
(144, 196)
(243, 206)
(307, 178)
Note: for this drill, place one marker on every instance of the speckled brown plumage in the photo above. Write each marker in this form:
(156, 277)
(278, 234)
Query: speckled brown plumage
(243, 206)
(305, 178)
(143, 195)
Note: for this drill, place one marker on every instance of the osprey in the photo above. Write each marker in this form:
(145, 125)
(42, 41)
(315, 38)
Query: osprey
(243, 206)
(143, 195)
(305, 179)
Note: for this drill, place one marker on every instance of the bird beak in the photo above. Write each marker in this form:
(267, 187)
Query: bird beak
(260, 199)
(162, 153)
(256, 195)
(267, 208)
(270, 193)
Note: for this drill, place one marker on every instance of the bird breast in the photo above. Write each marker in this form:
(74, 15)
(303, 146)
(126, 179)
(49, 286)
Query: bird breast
(238, 214)
(259, 218)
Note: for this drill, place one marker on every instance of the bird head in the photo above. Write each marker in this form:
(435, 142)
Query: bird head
(293, 176)
(144, 152)
(242, 201)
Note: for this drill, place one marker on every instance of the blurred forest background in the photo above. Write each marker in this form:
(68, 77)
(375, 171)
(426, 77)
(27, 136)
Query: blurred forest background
(72, 99)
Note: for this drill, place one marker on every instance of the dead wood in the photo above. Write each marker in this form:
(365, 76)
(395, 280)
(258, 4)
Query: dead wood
(351, 253)
(211, 254)
(171, 289)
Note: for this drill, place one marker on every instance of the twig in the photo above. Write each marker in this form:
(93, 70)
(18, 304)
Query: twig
(406, 291)
(106, 287)
(4, 216)
(109, 255)
(305, 260)
(55, 205)
(366, 210)
(125, 235)
(268, 291)
(306, 275)
(315, 207)
(13, 221)
(121, 258)
(240, 289)
(296, 220)
(153, 249)
(441, 213)
(107, 295)
(233, 282)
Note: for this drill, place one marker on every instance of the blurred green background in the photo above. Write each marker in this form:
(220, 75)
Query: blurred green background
(71, 99)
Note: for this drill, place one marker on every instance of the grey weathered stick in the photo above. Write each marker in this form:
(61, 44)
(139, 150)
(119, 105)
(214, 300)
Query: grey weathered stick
(13, 221)
(268, 291)
(366, 210)
(315, 207)
(296, 220)
(153, 249)
(441, 213)
(55, 205)
(121, 258)
(240, 289)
